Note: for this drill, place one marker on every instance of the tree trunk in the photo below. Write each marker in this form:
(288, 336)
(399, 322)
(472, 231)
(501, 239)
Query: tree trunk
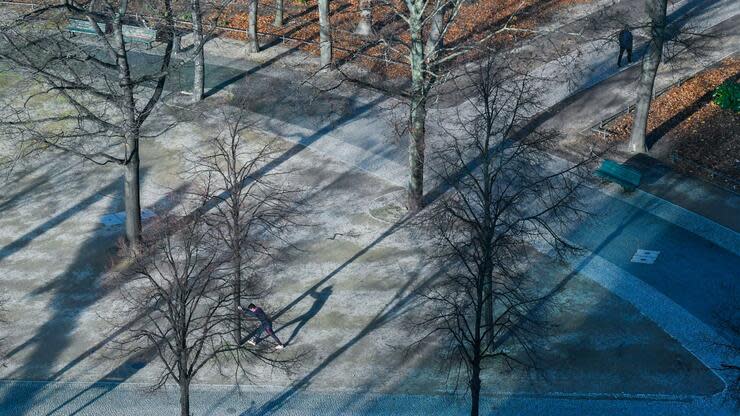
(131, 188)
(237, 285)
(325, 33)
(434, 41)
(253, 45)
(417, 119)
(656, 9)
(475, 390)
(279, 7)
(199, 61)
(475, 360)
(184, 397)
(365, 25)
(132, 201)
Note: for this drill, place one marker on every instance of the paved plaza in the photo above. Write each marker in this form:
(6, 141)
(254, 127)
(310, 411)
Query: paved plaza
(629, 337)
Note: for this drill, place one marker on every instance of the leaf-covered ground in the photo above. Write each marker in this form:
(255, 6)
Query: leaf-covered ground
(475, 21)
(690, 132)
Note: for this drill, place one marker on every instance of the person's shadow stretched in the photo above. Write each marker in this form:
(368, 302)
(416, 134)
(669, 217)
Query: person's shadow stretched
(303, 319)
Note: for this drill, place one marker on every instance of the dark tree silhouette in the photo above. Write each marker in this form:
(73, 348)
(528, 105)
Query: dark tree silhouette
(179, 283)
(251, 208)
(504, 195)
(100, 103)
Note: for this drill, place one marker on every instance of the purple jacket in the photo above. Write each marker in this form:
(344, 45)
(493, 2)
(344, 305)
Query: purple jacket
(259, 314)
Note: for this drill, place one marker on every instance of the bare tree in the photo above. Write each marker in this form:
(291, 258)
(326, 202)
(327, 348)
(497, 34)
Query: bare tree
(504, 195)
(99, 102)
(253, 43)
(426, 23)
(419, 40)
(179, 284)
(325, 34)
(656, 11)
(365, 23)
(252, 207)
(668, 38)
(279, 9)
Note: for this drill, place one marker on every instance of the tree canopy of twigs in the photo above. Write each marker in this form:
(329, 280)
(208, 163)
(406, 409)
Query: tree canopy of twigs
(179, 283)
(504, 195)
(251, 207)
(83, 97)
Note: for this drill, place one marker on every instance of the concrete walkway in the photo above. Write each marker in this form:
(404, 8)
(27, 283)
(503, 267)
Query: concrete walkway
(698, 258)
(78, 399)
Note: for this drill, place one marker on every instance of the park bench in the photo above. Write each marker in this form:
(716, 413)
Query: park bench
(84, 26)
(139, 34)
(627, 177)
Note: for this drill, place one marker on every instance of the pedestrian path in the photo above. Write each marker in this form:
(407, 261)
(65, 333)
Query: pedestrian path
(125, 399)
(711, 202)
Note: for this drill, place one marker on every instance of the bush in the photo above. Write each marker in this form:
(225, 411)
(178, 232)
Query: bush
(727, 96)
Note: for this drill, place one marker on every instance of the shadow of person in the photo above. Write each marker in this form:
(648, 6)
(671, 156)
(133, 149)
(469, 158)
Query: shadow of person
(320, 300)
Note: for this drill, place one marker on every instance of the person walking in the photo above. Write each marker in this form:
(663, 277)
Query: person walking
(265, 324)
(625, 44)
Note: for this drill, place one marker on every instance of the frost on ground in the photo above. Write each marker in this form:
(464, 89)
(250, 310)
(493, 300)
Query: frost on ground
(54, 256)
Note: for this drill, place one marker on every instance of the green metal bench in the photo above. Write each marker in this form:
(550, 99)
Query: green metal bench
(84, 26)
(627, 177)
(139, 34)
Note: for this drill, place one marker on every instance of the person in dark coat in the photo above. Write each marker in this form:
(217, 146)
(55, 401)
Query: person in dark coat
(265, 324)
(625, 44)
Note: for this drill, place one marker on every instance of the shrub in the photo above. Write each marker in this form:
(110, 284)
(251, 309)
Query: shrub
(727, 95)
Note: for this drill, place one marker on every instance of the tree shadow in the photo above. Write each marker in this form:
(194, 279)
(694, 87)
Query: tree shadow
(225, 83)
(54, 221)
(274, 42)
(668, 125)
(320, 299)
(297, 148)
(403, 299)
(490, 26)
(72, 293)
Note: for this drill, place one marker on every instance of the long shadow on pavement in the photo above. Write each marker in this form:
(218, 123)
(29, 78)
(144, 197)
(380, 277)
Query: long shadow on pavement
(395, 307)
(51, 339)
(320, 299)
(132, 365)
